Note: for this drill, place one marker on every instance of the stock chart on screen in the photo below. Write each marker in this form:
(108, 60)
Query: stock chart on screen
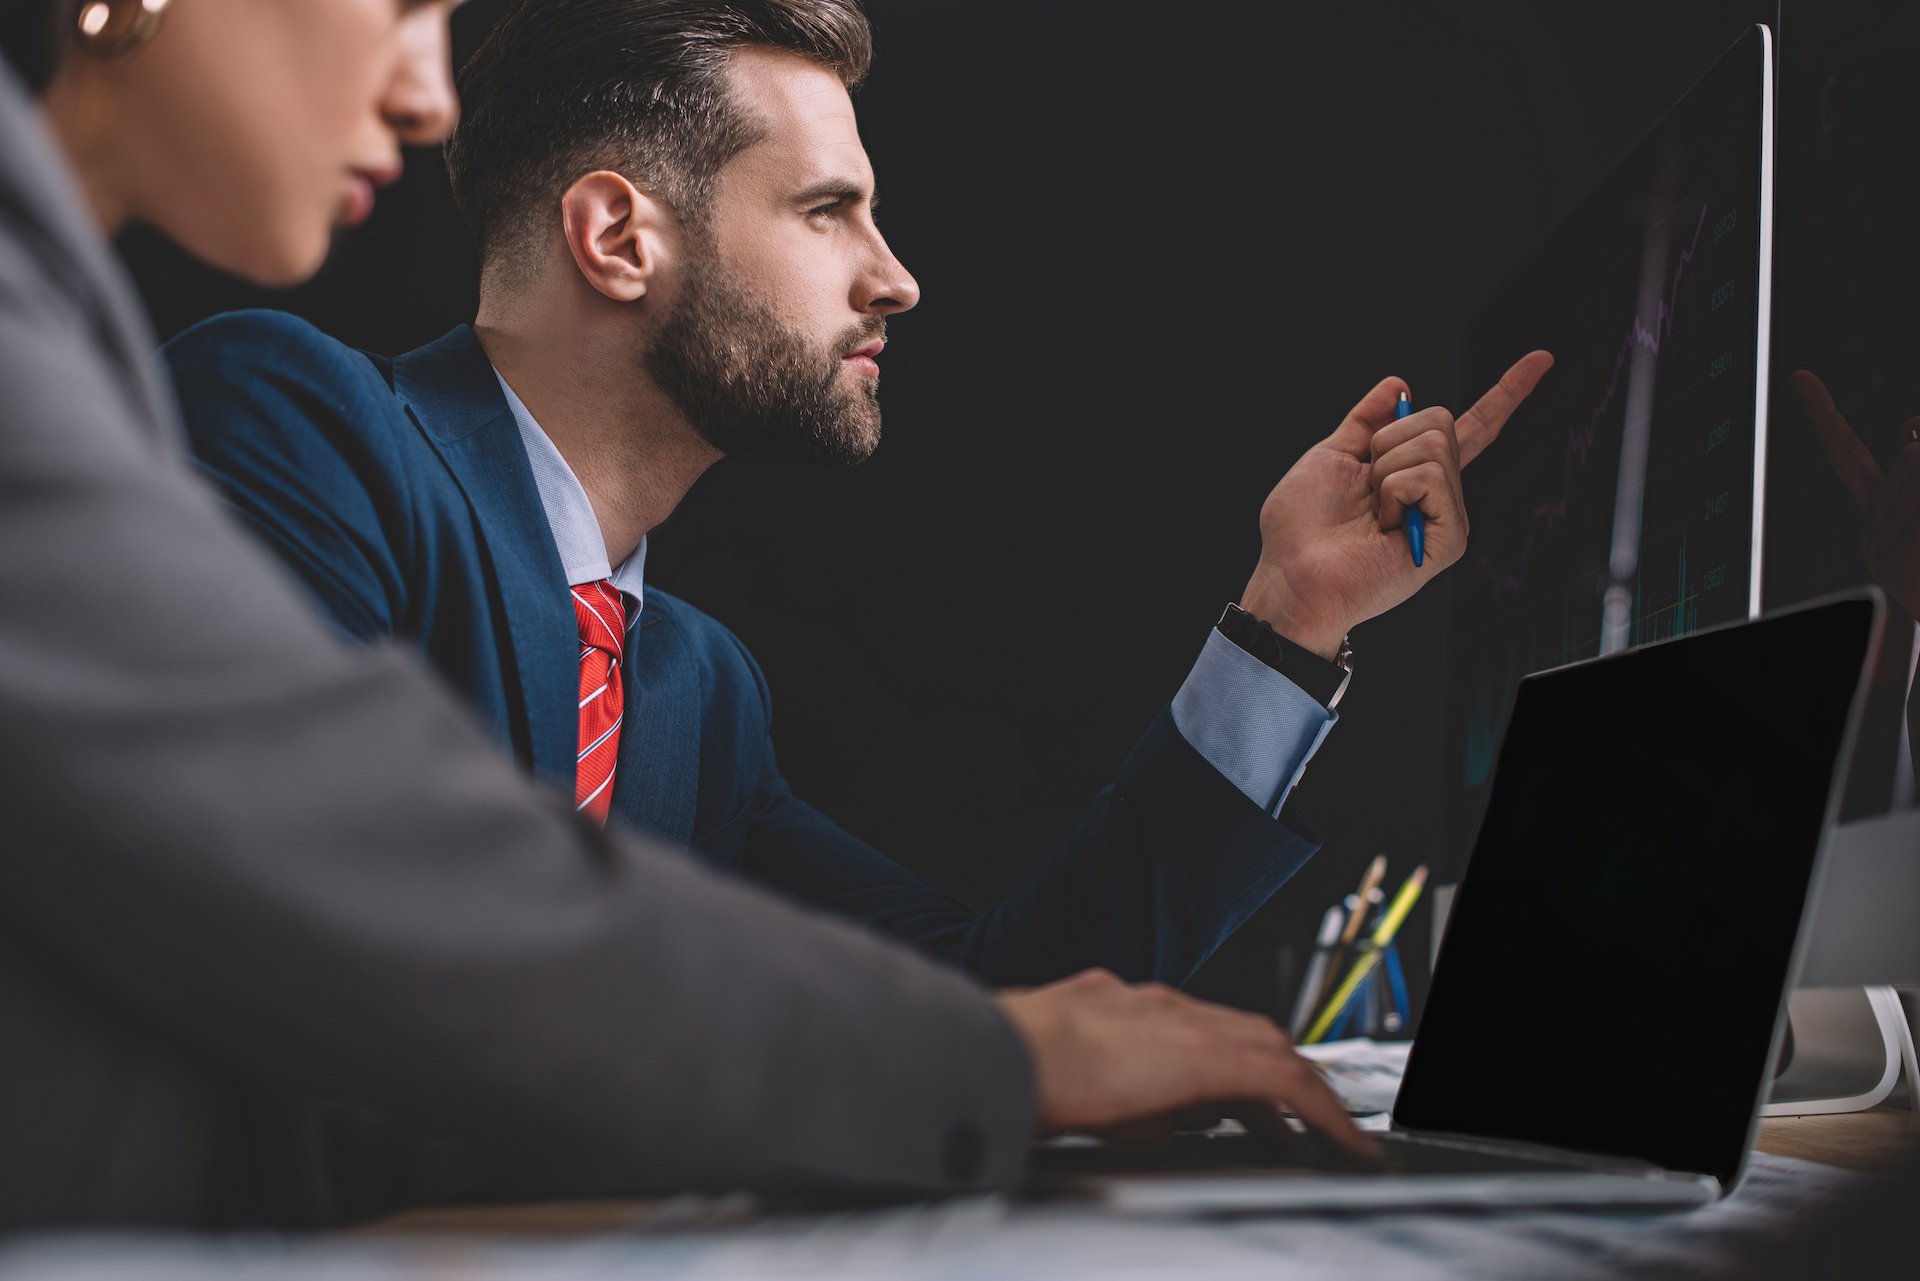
(1621, 505)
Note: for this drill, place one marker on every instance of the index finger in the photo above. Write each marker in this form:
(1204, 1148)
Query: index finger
(1852, 461)
(1354, 435)
(1310, 1098)
(1480, 426)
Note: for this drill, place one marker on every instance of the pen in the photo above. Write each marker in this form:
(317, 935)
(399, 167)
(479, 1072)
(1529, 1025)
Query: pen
(1316, 976)
(1356, 914)
(1389, 926)
(1397, 980)
(1415, 518)
(1339, 1029)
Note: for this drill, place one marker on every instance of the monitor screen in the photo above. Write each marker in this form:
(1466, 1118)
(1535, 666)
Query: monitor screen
(1618, 951)
(1619, 506)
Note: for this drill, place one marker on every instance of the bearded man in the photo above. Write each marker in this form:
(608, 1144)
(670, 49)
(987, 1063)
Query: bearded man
(679, 261)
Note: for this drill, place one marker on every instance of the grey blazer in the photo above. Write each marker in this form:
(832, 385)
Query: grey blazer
(253, 881)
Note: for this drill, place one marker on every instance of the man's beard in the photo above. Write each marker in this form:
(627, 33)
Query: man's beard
(751, 386)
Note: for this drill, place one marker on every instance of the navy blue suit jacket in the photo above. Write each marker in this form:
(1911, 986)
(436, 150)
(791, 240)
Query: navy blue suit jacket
(399, 492)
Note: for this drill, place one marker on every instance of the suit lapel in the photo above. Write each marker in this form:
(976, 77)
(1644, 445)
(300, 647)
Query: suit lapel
(450, 389)
(656, 781)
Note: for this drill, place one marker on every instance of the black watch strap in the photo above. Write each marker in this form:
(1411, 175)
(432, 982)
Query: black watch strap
(1322, 680)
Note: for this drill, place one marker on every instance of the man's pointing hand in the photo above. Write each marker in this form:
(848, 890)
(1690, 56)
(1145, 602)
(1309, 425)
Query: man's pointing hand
(1332, 552)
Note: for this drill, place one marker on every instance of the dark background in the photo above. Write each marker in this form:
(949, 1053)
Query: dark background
(1163, 248)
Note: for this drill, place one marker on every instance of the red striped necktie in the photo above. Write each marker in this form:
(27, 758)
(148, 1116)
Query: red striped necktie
(602, 616)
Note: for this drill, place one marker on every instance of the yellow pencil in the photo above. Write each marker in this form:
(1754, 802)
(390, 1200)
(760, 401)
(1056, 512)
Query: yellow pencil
(1376, 871)
(1383, 935)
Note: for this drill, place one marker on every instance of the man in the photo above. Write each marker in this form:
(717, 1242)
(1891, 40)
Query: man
(252, 875)
(679, 261)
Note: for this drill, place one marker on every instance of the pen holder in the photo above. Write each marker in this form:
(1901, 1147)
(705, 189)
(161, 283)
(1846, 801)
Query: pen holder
(1368, 997)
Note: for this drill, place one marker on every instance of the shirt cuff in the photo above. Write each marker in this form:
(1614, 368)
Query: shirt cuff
(1251, 723)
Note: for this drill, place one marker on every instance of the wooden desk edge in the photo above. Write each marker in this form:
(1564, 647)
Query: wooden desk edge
(1851, 1140)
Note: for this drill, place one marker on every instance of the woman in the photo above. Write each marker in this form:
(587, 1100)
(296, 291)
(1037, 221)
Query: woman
(247, 869)
(294, 114)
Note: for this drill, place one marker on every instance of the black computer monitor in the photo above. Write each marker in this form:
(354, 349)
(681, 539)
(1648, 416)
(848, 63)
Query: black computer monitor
(1846, 272)
(1623, 503)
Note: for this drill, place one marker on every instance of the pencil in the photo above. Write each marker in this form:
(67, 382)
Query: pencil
(1376, 872)
(1356, 915)
(1383, 935)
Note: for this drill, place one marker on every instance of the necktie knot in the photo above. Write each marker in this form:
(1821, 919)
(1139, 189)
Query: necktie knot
(602, 615)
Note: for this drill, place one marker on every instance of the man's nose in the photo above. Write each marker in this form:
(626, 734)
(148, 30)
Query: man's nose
(888, 288)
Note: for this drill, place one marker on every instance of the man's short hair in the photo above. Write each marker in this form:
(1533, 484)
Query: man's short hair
(561, 88)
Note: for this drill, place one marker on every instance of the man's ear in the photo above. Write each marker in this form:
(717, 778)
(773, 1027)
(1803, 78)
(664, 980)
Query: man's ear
(616, 233)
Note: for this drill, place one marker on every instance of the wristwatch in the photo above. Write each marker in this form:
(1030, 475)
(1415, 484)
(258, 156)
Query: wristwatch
(1323, 681)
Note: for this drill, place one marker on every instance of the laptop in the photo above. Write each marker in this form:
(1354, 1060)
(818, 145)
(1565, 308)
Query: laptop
(1603, 1016)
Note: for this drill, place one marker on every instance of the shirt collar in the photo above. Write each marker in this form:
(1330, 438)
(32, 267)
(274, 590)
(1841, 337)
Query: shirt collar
(576, 529)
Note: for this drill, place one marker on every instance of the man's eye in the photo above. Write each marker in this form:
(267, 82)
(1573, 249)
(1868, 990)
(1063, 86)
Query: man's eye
(821, 210)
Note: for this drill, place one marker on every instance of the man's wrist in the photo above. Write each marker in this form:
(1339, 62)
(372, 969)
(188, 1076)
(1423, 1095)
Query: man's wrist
(1268, 599)
(1325, 682)
(1035, 1024)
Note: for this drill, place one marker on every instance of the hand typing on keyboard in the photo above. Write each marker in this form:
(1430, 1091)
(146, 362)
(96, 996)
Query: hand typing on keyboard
(1113, 1057)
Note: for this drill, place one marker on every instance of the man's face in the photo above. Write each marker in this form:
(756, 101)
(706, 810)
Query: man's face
(781, 311)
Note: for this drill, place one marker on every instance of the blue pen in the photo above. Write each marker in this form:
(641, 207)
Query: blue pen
(1416, 519)
(1339, 1028)
(1397, 979)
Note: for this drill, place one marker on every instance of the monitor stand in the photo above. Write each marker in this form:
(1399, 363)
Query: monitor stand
(1849, 1048)
(1850, 1042)
(1860, 927)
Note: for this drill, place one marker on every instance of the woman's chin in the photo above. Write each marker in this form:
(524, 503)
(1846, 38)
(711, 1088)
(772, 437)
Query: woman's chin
(273, 262)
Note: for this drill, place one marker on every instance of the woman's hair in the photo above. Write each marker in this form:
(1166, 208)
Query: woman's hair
(34, 35)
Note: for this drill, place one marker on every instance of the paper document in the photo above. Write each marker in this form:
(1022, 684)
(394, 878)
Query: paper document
(1365, 1074)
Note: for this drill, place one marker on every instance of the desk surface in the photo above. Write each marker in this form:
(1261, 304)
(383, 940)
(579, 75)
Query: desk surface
(1854, 1141)
(997, 1237)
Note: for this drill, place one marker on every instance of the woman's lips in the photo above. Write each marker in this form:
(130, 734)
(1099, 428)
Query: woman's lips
(356, 205)
(357, 199)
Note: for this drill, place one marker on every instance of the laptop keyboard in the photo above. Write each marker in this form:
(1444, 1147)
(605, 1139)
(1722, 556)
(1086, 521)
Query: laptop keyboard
(1306, 1153)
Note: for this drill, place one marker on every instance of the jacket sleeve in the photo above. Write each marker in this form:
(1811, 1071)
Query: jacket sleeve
(300, 434)
(301, 859)
(1170, 859)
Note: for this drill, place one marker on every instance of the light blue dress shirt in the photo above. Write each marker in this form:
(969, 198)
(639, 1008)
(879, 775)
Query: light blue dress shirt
(1248, 721)
(576, 530)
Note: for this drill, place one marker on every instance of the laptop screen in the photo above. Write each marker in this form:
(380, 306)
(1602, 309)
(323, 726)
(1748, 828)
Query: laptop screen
(1617, 954)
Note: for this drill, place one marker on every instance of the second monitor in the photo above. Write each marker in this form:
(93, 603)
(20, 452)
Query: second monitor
(1622, 504)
